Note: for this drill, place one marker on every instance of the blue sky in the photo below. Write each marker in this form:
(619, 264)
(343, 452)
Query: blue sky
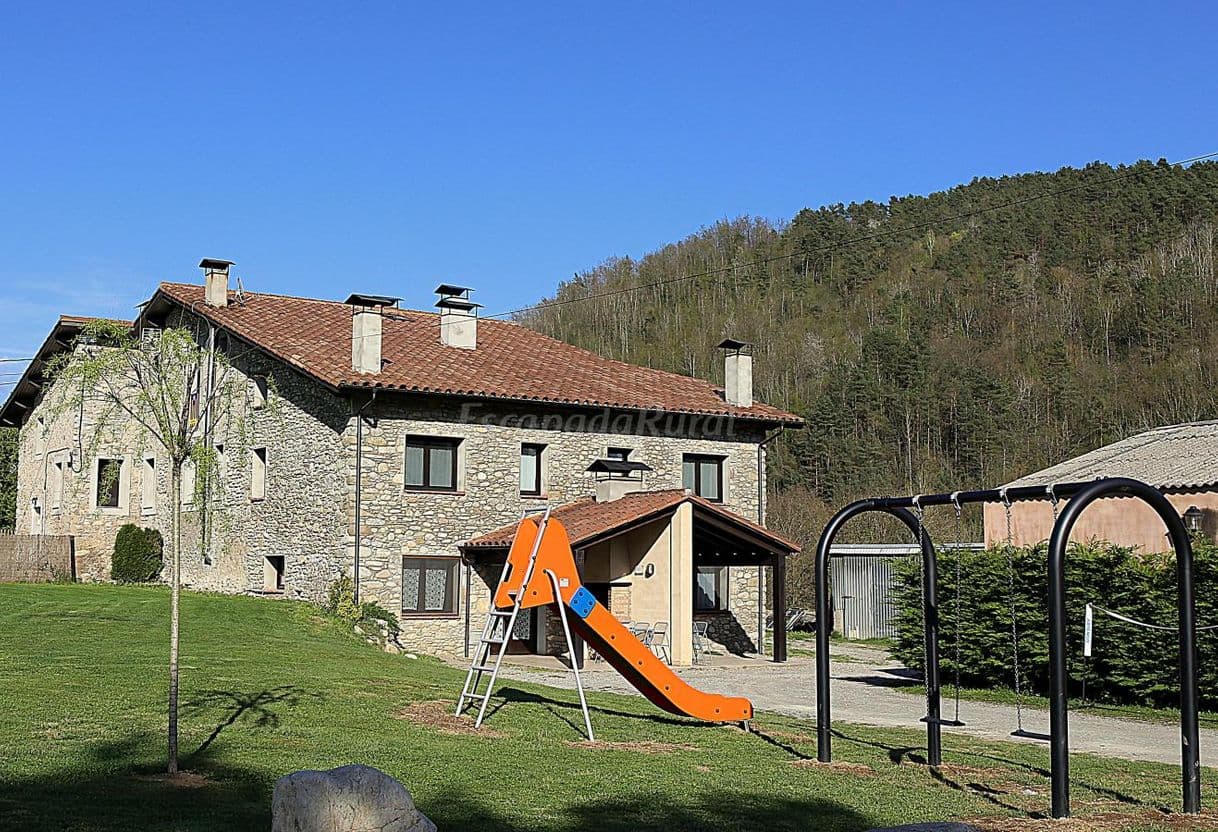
(385, 147)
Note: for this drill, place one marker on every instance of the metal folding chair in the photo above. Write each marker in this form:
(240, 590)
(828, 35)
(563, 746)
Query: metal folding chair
(658, 641)
(700, 639)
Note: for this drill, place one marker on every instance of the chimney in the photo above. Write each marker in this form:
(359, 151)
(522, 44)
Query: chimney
(215, 281)
(615, 478)
(737, 373)
(367, 315)
(458, 317)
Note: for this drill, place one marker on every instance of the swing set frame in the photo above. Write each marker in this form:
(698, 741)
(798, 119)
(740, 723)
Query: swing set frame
(1080, 495)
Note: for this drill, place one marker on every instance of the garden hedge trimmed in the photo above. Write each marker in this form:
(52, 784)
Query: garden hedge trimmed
(1131, 665)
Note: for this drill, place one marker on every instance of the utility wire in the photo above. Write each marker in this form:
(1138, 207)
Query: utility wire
(853, 241)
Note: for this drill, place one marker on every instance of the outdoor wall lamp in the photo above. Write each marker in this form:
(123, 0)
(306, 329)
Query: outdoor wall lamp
(649, 571)
(1192, 519)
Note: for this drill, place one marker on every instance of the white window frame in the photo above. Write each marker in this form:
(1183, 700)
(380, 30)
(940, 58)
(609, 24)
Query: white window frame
(124, 484)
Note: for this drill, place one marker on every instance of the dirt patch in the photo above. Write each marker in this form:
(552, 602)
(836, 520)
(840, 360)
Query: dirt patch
(438, 716)
(643, 747)
(703, 769)
(848, 768)
(181, 780)
(1100, 822)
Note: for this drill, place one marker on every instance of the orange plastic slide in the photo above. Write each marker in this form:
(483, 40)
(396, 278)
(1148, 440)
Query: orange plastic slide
(598, 627)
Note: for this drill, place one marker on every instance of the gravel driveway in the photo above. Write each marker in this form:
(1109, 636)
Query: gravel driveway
(864, 679)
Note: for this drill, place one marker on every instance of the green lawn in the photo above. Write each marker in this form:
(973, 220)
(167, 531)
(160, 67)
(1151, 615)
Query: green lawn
(271, 687)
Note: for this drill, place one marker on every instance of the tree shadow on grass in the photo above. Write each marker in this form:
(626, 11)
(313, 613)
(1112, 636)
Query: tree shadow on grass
(121, 786)
(258, 709)
(644, 812)
(914, 754)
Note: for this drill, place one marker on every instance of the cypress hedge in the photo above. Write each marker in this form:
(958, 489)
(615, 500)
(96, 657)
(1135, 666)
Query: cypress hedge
(1130, 664)
(138, 555)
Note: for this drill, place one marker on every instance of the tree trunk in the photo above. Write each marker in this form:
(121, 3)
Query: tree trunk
(175, 587)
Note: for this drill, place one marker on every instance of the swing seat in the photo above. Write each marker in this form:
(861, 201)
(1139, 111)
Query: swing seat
(1031, 735)
(950, 723)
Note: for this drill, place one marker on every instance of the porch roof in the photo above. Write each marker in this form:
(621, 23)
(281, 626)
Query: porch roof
(588, 522)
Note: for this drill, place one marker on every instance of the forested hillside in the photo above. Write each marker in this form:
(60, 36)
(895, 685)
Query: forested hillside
(937, 342)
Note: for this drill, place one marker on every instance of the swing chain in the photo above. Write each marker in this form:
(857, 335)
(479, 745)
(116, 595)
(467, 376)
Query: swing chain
(920, 514)
(956, 598)
(1051, 490)
(1010, 553)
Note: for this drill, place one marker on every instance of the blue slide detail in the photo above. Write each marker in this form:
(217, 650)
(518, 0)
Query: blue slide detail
(583, 602)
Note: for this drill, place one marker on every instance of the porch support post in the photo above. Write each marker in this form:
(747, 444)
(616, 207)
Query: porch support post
(780, 607)
(681, 601)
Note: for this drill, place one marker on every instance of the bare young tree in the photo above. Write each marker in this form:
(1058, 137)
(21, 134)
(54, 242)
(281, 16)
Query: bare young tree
(174, 392)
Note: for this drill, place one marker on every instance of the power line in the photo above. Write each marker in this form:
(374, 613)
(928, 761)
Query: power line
(14, 360)
(847, 243)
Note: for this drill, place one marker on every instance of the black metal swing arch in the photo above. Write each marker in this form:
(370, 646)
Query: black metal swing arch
(1081, 495)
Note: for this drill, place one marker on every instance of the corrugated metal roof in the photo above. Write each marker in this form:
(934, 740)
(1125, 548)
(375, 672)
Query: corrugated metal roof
(1181, 457)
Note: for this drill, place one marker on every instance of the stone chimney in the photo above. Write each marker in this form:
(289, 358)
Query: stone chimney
(737, 373)
(615, 478)
(215, 281)
(367, 317)
(458, 317)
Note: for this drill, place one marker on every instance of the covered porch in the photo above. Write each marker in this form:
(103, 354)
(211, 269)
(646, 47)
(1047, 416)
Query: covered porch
(667, 560)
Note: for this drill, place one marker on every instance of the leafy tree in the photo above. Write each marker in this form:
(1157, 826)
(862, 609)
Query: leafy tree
(173, 393)
(8, 478)
(955, 340)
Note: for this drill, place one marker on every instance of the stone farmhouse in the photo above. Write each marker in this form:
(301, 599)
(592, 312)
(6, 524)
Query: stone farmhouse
(401, 447)
(1179, 460)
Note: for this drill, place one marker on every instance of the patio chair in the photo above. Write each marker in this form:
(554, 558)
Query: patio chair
(640, 630)
(658, 641)
(700, 639)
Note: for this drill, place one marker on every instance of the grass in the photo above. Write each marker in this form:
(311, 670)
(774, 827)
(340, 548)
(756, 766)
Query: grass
(270, 687)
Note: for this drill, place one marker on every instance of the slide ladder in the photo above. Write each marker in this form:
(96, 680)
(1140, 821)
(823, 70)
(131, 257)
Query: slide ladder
(540, 570)
(500, 623)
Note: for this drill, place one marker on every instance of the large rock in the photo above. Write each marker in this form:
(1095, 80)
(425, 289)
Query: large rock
(347, 799)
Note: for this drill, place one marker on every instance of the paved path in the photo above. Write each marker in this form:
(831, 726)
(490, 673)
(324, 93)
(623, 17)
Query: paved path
(864, 679)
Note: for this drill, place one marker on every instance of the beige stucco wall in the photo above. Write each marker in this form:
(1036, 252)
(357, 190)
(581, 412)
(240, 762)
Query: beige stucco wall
(1124, 521)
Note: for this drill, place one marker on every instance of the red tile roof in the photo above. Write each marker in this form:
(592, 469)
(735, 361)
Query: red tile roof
(510, 362)
(586, 519)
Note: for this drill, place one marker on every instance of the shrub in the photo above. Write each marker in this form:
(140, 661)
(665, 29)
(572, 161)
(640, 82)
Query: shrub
(138, 555)
(1130, 664)
(340, 602)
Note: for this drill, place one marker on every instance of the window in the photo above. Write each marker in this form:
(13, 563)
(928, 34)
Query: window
(258, 474)
(57, 487)
(148, 486)
(703, 475)
(710, 588)
(187, 483)
(530, 469)
(429, 586)
(272, 573)
(431, 463)
(258, 390)
(620, 454)
(109, 480)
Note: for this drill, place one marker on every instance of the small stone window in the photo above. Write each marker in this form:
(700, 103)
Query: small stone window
(619, 454)
(429, 587)
(57, 487)
(258, 392)
(273, 569)
(710, 588)
(108, 483)
(148, 486)
(258, 474)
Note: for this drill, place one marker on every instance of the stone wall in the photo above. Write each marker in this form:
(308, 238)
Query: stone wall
(308, 513)
(397, 522)
(300, 518)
